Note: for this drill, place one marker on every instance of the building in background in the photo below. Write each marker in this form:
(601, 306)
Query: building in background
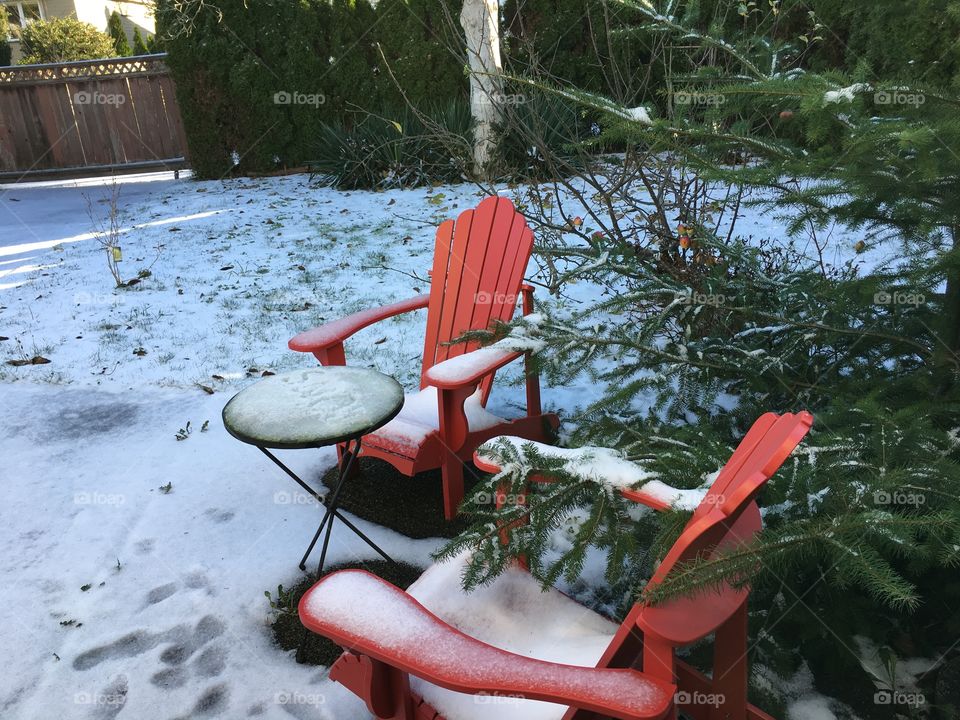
(133, 13)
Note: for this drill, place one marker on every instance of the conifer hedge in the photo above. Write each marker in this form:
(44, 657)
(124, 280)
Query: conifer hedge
(257, 81)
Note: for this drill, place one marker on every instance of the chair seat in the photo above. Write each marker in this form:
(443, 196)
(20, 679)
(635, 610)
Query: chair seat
(514, 614)
(420, 418)
(504, 641)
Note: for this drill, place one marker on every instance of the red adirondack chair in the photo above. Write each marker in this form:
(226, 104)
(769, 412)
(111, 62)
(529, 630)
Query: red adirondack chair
(411, 656)
(477, 278)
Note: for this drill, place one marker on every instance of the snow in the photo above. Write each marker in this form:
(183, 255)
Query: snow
(679, 499)
(639, 114)
(313, 406)
(469, 366)
(596, 464)
(420, 417)
(846, 94)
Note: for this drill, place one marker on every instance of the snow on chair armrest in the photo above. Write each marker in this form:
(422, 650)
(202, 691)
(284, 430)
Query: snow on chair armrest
(595, 464)
(337, 331)
(469, 368)
(371, 617)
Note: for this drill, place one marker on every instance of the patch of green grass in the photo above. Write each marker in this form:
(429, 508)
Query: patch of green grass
(314, 649)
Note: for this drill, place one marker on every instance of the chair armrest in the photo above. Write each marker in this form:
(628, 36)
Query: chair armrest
(335, 332)
(469, 368)
(660, 496)
(601, 465)
(370, 617)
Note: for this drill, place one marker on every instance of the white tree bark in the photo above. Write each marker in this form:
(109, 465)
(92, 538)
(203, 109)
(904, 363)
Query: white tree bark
(480, 20)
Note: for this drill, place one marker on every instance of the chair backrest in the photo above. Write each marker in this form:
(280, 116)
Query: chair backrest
(727, 516)
(478, 267)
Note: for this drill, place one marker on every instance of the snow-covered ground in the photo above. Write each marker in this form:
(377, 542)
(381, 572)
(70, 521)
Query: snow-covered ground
(133, 563)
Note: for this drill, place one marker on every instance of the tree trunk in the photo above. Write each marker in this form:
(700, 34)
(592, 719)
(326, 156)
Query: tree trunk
(480, 20)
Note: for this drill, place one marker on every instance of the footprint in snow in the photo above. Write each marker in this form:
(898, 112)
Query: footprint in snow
(108, 703)
(219, 516)
(183, 641)
(160, 593)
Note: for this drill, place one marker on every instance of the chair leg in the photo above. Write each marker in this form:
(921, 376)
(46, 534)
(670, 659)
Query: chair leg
(452, 473)
(659, 661)
(730, 668)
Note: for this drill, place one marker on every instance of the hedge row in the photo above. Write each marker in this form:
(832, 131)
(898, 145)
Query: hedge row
(256, 81)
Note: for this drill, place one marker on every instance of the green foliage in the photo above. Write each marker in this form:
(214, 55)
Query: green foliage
(119, 35)
(578, 43)
(231, 61)
(63, 39)
(5, 50)
(139, 46)
(382, 152)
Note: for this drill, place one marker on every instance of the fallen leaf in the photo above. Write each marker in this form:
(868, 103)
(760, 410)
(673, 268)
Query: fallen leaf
(35, 360)
(267, 373)
(206, 388)
(380, 341)
(217, 377)
(139, 352)
(2, 338)
(226, 267)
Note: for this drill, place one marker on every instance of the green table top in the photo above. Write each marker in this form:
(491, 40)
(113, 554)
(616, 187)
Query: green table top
(313, 408)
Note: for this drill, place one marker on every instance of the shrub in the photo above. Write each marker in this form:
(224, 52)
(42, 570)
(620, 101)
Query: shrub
(63, 40)
(408, 151)
(5, 51)
(139, 46)
(577, 42)
(119, 35)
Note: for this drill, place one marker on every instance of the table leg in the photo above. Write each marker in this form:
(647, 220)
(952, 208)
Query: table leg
(346, 464)
(331, 502)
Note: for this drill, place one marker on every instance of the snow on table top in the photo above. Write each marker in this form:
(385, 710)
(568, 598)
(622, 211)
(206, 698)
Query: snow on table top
(390, 621)
(316, 406)
(597, 464)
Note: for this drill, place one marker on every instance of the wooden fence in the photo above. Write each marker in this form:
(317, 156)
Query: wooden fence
(89, 116)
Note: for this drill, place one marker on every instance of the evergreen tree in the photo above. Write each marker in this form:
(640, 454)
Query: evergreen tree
(139, 46)
(119, 35)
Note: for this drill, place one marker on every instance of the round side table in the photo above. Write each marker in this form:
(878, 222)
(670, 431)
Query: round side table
(332, 405)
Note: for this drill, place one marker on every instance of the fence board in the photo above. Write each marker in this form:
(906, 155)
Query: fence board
(92, 114)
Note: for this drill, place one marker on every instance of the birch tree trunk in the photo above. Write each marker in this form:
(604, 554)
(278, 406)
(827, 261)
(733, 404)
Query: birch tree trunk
(480, 20)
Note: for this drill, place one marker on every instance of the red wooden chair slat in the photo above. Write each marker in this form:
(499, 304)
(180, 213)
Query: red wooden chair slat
(441, 262)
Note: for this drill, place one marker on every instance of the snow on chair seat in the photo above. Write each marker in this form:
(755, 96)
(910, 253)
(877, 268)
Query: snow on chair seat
(420, 417)
(370, 617)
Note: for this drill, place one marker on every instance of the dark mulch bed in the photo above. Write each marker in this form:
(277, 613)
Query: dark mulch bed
(411, 506)
(380, 494)
(317, 650)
